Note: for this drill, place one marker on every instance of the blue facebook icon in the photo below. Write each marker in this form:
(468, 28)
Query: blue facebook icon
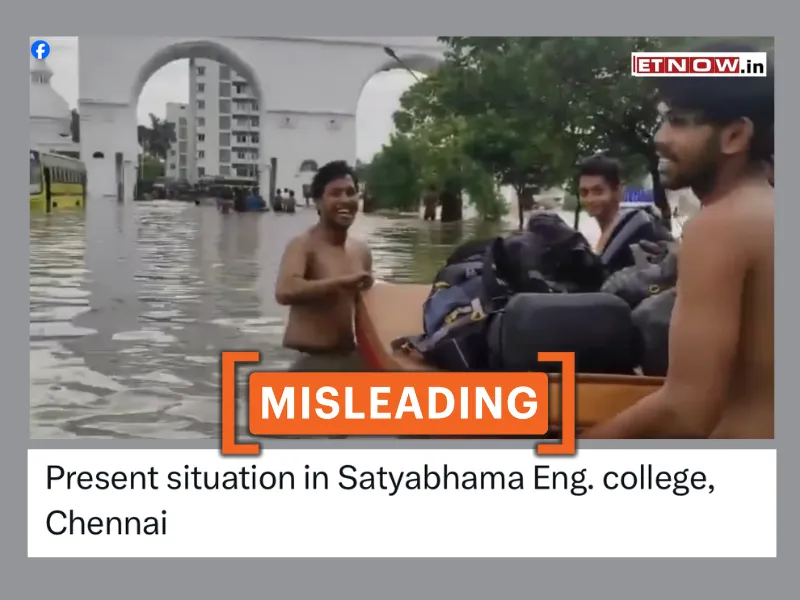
(40, 49)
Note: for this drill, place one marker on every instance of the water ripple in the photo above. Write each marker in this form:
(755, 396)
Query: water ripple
(131, 305)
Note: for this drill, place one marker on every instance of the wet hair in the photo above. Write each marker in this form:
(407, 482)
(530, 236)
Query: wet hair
(337, 169)
(723, 100)
(602, 166)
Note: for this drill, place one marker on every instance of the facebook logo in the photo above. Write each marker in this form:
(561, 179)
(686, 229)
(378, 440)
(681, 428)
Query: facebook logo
(40, 50)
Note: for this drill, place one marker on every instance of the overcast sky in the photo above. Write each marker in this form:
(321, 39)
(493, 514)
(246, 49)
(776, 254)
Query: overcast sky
(379, 99)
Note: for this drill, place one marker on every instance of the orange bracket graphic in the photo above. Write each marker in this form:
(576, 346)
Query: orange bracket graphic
(229, 444)
(567, 444)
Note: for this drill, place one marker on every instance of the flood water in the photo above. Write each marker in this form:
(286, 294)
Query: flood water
(130, 306)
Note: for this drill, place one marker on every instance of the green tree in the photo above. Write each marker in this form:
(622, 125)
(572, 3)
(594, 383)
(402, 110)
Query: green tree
(392, 178)
(508, 128)
(151, 168)
(157, 139)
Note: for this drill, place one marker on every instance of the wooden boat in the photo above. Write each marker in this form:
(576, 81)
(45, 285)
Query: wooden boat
(389, 311)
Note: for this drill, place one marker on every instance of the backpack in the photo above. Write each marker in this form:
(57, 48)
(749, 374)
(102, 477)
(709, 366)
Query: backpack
(652, 320)
(563, 255)
(632, 228)
(465, 296)
(655, 270)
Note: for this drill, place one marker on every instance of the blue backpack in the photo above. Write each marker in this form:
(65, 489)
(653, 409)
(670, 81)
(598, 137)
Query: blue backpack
(465, 295)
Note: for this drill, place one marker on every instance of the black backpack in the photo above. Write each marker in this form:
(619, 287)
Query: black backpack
(562, 255)
(465, 296)
(655, 270)
(481, 276)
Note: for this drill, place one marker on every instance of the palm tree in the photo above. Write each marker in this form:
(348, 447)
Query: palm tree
(157, 139)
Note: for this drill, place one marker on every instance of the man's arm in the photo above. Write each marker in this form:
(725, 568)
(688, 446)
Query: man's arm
(368, 266)
(704, 334)
(292, 287)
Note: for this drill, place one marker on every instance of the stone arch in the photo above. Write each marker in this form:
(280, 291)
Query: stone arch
(213, 50)
(308, 166)
(208, 49)
(421, 62)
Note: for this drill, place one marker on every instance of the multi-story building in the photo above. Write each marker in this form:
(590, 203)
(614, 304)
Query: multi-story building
(178, 157)
(224, 122)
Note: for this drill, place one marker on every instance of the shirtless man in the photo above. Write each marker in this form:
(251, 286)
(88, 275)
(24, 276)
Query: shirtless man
(715, 134)
(321, 273)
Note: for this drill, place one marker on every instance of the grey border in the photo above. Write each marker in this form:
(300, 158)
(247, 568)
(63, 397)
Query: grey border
(373, 578)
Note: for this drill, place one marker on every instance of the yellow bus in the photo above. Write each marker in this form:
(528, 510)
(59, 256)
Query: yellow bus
(57, 182)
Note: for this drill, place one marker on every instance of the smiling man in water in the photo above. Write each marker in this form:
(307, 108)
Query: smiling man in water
(715, 136)
(321, 273)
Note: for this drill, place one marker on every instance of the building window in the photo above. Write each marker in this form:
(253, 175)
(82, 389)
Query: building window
(254, 138)
(182, 121)
(201, 154)
(201, 71)
(201, 171)
(201, 104)
(224, 170)
(224, 122)
(242, 155)
(182, 160)
(224, 107)
(255, 121)
(201, 122)
(201, 87)
(171, 166)
(182, 146)
(172, 152)
(224, 139)
(201, 137)
(224, 90)
(242, 139)
(224, 156)
(183, 174)
(225, 74)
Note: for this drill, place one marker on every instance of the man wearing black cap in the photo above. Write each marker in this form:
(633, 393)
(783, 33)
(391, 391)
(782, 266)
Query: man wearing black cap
(716, 134)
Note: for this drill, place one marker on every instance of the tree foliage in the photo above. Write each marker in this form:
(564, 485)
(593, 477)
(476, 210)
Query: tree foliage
(522, 111)
(157, 139)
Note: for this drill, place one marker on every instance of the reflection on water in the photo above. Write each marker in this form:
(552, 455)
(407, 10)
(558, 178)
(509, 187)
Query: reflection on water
(131, 305)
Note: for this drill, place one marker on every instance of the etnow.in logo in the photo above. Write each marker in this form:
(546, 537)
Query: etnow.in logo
(699, 64)
(40, 50)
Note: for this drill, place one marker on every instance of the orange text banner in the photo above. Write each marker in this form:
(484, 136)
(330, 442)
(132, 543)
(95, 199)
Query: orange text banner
(399, 404)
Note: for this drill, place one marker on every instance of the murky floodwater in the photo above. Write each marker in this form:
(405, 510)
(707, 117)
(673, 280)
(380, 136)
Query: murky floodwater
(130, 306)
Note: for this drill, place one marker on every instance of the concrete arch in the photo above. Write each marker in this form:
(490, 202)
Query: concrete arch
(415, 61)
(208, 49)
(297, 123)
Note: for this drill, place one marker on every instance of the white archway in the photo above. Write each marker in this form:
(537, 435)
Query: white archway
(307, 105)
(400, 71)
(417, 62)
(217, 52)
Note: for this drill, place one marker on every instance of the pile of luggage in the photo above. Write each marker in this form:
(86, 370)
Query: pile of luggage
(496, 304)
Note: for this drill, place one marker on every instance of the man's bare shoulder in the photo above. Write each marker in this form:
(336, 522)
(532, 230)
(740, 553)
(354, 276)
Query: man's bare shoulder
(301, 241)
(358, 245)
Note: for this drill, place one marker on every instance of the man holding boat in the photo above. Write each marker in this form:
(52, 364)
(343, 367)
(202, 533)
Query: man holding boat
(715, 135)
(321, 274)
